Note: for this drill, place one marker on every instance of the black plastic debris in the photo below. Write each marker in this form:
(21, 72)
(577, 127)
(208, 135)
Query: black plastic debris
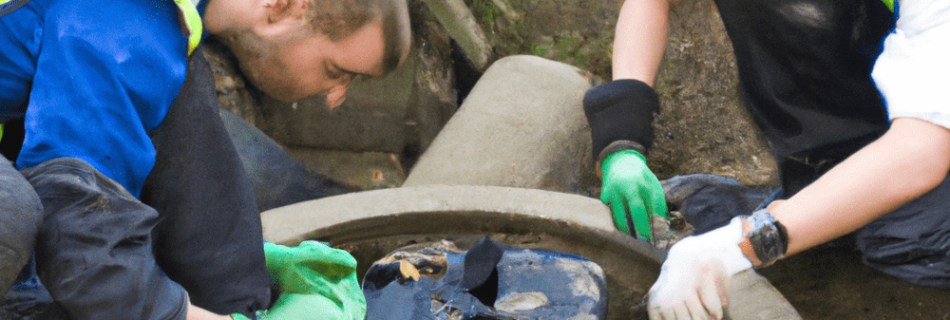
(710, 201)
(489, 281)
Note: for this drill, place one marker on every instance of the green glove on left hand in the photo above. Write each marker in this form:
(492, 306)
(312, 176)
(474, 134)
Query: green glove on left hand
(632, 191)
(316, 282)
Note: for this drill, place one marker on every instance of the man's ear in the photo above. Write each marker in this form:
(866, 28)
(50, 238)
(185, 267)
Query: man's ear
(284, 16)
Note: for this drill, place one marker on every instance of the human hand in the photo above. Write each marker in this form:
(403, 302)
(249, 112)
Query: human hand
(196, 313)
(633, 192)
(694, 279)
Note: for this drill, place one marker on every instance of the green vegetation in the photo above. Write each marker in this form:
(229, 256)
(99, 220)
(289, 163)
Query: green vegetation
(553, 30)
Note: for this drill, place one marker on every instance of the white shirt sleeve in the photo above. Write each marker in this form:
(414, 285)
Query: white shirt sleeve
(913, 71)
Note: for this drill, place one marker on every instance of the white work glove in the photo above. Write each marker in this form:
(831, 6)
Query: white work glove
(694, 279)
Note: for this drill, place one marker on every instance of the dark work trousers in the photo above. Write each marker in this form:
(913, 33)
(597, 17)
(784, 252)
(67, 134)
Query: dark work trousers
(20, 217)
(209, 239)
(804, 70)
(94, 251)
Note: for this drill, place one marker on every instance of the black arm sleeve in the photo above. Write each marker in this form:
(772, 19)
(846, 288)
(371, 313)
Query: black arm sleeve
(619, 111)
(209, 239)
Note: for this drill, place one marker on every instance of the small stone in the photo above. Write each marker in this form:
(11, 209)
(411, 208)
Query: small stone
(521, 301)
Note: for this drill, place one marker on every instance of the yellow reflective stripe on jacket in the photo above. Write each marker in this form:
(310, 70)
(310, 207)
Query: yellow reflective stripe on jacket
(889, 4)
(7, 6)
(190, 22)
(1, 132)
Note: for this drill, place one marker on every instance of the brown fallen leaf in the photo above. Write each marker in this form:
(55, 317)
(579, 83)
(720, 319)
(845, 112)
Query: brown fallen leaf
(408, 270)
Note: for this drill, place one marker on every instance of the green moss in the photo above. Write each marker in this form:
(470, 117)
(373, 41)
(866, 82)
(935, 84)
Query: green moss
(538, 50)
(488, 11)
(551, 30)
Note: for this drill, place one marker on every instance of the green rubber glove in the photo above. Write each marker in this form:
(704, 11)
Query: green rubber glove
(316, 282)
(632, 191)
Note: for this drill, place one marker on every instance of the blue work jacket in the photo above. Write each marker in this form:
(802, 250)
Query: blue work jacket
(91, 79)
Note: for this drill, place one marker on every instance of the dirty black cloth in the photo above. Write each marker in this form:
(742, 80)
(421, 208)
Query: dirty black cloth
(709, 201)
(210, 237)
(490, 281)
(804, 70)
(21, 215)
(94, 251)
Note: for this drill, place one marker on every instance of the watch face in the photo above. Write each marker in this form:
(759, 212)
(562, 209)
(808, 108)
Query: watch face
(7, 6)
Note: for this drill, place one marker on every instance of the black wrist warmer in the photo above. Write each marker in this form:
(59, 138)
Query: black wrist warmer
(621, 110)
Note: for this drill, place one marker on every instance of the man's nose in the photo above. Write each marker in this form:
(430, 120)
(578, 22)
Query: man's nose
(336, 96)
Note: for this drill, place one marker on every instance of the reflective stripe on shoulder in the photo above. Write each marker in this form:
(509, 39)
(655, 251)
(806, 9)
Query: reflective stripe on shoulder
(889, 4)
(190, 22)
(7, 6)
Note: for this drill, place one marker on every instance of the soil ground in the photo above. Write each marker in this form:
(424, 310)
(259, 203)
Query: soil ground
(830, 282)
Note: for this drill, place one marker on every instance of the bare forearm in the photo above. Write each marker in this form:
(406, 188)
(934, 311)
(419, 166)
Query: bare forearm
(912, 158)
(640, 39)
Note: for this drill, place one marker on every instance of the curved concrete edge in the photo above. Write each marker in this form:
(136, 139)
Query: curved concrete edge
(753, 297)
(297, 222)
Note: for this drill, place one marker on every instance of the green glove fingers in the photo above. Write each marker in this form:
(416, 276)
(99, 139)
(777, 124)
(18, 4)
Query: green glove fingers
(630, 215)
(316, 282)
(292, 306)
(654, 198)
(632, 191)
(638, 213)
(617, 206)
